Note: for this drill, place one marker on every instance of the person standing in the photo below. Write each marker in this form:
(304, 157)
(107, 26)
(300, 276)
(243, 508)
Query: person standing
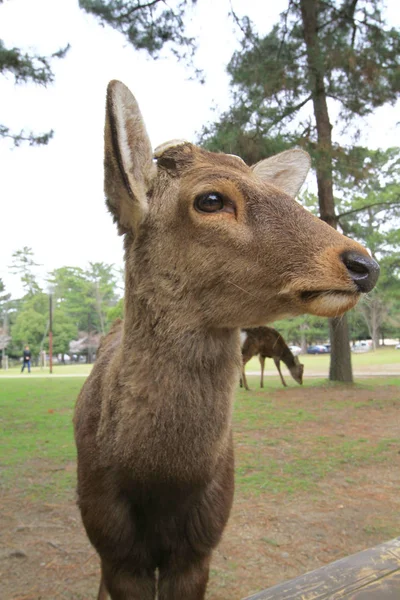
(26, 359)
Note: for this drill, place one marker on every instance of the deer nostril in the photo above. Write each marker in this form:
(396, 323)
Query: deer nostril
(363, 270)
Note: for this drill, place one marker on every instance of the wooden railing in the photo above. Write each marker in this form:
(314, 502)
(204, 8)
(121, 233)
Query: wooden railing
(373, 574)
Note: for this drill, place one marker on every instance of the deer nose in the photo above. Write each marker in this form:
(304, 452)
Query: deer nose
(363, 270)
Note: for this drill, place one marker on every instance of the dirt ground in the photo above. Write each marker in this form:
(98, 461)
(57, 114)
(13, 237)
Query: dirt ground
(45, 555)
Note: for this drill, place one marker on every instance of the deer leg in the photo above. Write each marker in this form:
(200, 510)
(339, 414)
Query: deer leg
(262, 363)
(278, 366)
(124, 584)
(243, 378)
(188, 583)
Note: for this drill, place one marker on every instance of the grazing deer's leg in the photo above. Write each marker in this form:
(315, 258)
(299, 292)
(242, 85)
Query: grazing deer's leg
(189, 583)
(245, 359)
(244, 377)
(123, 584)
(278, 366)
(262, 363)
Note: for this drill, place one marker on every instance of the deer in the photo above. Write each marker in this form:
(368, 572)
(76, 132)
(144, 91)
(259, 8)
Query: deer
(210, 245)
(267, 342)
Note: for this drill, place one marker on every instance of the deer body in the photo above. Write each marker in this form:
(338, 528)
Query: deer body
(153, 419)
(266, 342)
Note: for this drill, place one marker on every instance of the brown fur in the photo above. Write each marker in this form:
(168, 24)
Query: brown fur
(153, 420)
(268, 343)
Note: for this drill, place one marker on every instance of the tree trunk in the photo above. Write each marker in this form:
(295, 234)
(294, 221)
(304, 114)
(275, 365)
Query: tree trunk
(340, 367)
(303, 339)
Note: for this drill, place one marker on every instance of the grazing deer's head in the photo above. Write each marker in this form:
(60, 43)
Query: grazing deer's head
(297, 370)
(224, 243)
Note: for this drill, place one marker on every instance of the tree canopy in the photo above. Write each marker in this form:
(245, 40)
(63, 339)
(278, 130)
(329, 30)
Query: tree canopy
(147, 26)
(322, 57)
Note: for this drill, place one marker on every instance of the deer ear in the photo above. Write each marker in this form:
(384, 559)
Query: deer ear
(128, 159)
(287, 170)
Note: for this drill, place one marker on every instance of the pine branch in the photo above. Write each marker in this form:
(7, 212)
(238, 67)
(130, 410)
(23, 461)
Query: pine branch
(18, 138)
(28, 67)
(287, 112)
(357, 210)
(134, 9)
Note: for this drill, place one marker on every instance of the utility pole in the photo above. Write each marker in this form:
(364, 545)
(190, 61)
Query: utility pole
(3, 348)
(89, 349)
(51, 332)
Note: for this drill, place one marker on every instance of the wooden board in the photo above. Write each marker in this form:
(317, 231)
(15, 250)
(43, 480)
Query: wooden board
(373, 574)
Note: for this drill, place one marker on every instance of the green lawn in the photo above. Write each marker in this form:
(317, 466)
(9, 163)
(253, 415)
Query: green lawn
(38, 452)
(74, 369)
(389, 358)
(36, 434)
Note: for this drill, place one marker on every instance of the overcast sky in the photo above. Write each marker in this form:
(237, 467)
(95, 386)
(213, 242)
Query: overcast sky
(51, 198)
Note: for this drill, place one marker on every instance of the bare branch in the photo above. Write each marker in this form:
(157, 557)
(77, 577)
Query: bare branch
(357, 210)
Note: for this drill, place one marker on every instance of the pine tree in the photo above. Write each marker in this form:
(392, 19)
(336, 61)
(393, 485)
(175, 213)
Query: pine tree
(24, 265)
(321, 54)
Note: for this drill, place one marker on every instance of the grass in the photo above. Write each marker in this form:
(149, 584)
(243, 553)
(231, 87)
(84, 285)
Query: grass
(277, 453)
(386, 357)
(74, 369)
(281, 445)
(36, 424)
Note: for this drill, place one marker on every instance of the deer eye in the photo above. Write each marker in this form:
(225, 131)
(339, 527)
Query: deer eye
(213, 202)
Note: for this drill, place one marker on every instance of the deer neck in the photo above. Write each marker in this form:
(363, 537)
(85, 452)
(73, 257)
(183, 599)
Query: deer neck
(180, 377)
(288, 358)
(160, 346)
(165, 326)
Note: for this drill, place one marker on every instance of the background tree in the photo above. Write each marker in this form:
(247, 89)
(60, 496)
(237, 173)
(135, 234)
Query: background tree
(4, 298)
(23, 264)
(341, 52)
(31, 324)
(102, 280)
(368, 209)
(303, 331)
(86, 296)
(4, 328)
(82, 300)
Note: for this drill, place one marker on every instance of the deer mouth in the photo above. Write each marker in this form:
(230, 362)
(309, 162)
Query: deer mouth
(329, 303)
(309, 295)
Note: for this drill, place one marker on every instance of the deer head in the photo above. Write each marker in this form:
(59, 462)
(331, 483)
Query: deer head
(297, 370)
(212, 241)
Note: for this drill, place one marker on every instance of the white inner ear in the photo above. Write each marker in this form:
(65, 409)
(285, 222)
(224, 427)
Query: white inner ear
(134, 146)
(287, 170)
(123, 140)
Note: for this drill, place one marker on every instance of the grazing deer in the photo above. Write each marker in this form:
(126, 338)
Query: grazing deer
(211, 245)
(268, 343)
